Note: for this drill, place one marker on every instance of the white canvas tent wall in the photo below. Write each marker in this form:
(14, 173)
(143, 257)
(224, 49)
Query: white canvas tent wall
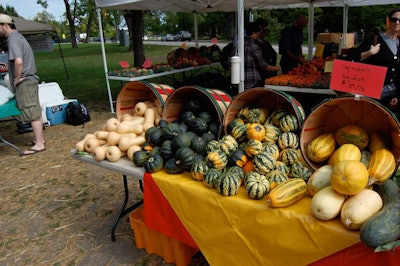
(231, 6)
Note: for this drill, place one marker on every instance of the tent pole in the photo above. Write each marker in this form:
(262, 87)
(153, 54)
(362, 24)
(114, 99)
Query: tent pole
(62, 56)
(310, 30)
(103, 51)
(196, 31)
(241, 42)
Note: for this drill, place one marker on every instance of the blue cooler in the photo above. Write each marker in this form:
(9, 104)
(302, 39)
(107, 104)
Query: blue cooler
(56, 112)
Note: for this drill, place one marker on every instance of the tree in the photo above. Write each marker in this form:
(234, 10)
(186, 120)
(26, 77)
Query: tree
(134, 21)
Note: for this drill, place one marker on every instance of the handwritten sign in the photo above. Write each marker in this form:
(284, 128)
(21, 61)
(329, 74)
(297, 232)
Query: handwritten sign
(357, 78)
(319, 51)
(328, 66)
(214, 40)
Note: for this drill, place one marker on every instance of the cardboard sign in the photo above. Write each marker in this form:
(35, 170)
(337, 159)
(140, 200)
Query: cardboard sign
(357, 78)
(214, 40)
(147, 63)
(124, 64)
(319, 51)
(328, 66)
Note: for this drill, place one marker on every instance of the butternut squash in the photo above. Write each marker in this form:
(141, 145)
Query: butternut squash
(132, 149)
(359, 208)
(140, 108)
(92, 143)
(99, 153)
(149, 117)
(101, 134)
(112, 124)
(327, 203)
(157, 116)
(128, 127)
(113, 153)
(113, 138)
(88, 136)
(80, 146)
(125, 142)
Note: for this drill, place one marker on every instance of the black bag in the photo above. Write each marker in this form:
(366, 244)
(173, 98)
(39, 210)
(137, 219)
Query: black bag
(77, 114)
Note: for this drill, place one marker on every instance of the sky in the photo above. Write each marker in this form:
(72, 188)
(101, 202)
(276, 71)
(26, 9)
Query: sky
(28, 8)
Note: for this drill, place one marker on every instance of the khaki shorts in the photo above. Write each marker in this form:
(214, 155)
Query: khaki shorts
(27, 97)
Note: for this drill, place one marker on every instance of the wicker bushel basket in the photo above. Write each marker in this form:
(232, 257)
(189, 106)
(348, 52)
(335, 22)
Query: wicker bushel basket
(217, 101)
(364, 112)
(140, 91)
(263, 97)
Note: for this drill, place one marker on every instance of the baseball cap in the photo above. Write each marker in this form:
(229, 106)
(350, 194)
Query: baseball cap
(5, 19)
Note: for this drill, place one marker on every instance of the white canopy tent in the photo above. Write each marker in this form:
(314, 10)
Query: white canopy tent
(238, 6)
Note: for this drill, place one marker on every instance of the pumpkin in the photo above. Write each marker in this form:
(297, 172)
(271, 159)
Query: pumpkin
(352, 134)
(237, 158)
(320, 179)
(229, 184)
(359, 208)
(272, 133)
(264, 162)
(217, 159)
(288, 123)
(171, 167)
(349, 177)
(381, 166)
(321, 148)
(276, 177)
(248, 166)
(185, 157)
(211, 178)
(253, 147)
(287, 193)
(257, 185)
(255, 131)
(198, 170)
(288, 140)
(345, 152)
(327, 203)
(153, 163)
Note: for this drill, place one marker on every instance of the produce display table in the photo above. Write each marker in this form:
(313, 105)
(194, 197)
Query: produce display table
(123, 166)
(8, 111)
(302, 90)
(238, 230)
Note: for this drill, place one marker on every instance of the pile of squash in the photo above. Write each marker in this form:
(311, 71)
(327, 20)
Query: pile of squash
(176, 146)
(354, 183)
(123, 136)
(260, 152)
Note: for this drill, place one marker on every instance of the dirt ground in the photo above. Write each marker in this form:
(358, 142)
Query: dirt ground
(55, 210)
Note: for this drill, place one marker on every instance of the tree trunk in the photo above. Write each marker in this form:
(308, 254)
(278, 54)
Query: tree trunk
(71, 24)
(89, 27)
(134, 20)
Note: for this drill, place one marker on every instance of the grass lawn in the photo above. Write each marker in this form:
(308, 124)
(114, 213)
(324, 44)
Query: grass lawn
(85, 69)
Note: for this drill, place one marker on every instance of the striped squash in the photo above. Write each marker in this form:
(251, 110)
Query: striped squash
(272, 133)
(264, 162)
(237, 158)
(244, 114)
(229, 184)
(211, 178)
(217, 159)
(287, 193)
(228, 144)
(257, 185)
(276, 177)
(288, 123)
(282, 167)
(271, 148)
(198, 170)
(257, 115)
(276, 116)
(236, 121)
(381, 166)
(288, 140)
(253, 147)
(212, 145)
(298, 170)
(239, 132)
(289, 156)
(237, 170)
(321, 148)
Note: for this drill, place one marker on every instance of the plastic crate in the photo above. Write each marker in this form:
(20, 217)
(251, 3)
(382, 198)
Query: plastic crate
(172, 250)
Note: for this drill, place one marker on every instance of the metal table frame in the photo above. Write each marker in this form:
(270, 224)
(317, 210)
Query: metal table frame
(123, 166)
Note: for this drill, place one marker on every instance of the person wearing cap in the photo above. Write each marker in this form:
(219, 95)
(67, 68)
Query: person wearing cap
(24, 81)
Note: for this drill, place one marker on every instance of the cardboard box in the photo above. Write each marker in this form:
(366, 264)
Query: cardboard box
(172, 250)
(56, 112)
(335, 38)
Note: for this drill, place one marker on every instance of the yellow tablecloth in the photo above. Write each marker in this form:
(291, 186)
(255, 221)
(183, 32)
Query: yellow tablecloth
(238, 230)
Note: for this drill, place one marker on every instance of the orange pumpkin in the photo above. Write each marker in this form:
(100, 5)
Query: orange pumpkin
(255, 131)
(349, 177)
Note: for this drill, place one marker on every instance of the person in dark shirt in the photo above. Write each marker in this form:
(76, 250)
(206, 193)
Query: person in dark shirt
(383, 49)
(269, 53)
(253, 58)
(290, 45)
